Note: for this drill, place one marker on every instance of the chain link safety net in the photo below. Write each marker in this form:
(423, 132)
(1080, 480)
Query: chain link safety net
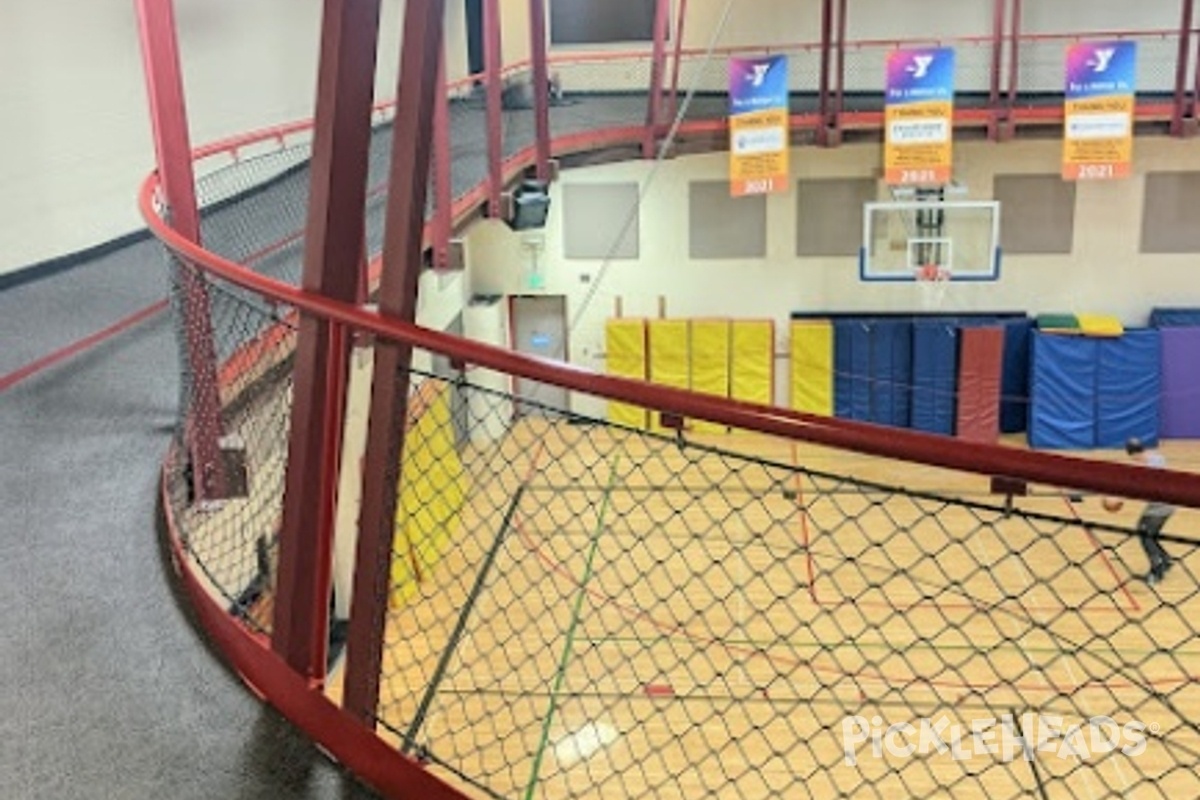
(582, 610)
(578, 609)
(233, 541)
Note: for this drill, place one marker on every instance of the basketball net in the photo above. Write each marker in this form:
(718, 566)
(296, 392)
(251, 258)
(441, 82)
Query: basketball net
(933, 281)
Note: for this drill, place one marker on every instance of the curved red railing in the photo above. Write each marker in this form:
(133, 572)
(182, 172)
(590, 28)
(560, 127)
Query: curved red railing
(358, 747)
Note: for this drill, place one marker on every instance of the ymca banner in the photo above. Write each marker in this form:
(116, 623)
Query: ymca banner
(919, 116)
(758, 125)
(1098, 129)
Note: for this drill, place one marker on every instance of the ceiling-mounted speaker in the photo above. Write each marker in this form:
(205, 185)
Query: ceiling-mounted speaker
(529, 206)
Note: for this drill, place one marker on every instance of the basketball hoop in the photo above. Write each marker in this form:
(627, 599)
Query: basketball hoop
(933, 280)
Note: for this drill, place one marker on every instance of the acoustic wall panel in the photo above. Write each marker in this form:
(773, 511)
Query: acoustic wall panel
(1037, 214)
(600, 220)
(723, 227)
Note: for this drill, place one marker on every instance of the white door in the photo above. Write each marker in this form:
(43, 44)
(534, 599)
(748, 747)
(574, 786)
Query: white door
(539, 326)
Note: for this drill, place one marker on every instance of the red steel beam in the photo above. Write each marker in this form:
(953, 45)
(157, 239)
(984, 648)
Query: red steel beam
(494, 87)
(1014, 57)
(680, 19)
(840, 70)
(999, 21)
(823, 87)
(168, 115)
(443, 188)
(1181, 67)
(658, 57)
(541, 87)
(333, 250)
(411, 144)
(1194, 112)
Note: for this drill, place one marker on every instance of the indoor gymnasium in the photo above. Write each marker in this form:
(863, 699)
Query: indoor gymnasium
(553, 399)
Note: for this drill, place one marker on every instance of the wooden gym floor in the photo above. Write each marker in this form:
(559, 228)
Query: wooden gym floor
(668, 622)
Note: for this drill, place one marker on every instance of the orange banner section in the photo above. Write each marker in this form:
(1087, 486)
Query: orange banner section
(1098, 140)
(919, 147)
(758, 155)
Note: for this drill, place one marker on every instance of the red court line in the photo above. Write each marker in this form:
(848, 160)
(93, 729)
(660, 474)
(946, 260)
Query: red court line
(945, 606)
(1087, 530)
(874, 674)
(73, 349)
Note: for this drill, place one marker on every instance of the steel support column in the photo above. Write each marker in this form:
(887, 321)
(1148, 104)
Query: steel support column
(1180, 111)
(823, 87)
(408, 181)
(203, 427)
(999, 21)
(839, 83)
(333, 254)
(676, 65)
(1014, 69)
(494, 88)
(443, 188)
(658, 57)
(541, 87)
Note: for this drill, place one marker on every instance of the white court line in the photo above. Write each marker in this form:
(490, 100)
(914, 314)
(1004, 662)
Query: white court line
(1030, 585)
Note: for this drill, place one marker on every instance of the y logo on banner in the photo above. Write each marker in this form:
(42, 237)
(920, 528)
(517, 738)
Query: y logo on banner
(758, 74)
(920, 66)
(1103, 57)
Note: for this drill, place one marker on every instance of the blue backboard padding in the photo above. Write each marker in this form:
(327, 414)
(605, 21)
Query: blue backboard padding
(1062, 409)
(1129, 388)
(1014, 380)
(934, 376)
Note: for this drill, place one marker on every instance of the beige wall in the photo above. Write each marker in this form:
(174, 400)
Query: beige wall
(76, 130)
(1105, 273)
(75, 126)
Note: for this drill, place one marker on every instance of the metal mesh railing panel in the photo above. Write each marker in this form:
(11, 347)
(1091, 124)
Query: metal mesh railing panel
(1041, 63)
(612, 612)
(233, 540)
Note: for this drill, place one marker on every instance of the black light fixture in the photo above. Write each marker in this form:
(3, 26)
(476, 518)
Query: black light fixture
(530, 206)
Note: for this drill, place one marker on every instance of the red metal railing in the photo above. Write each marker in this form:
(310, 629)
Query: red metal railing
(356, 745)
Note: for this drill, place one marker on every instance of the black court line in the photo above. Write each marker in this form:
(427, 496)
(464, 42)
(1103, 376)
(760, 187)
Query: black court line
(1030, 756)
(460, 626)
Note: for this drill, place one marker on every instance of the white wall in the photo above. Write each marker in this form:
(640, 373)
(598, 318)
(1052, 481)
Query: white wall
(74, 125)
(75, 128)
(1104, 274)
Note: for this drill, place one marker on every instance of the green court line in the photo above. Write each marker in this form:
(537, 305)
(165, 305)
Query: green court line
(763, 644)
(576, 611)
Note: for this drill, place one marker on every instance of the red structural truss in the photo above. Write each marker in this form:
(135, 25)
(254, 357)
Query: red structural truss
(538, 43)
(443, 212)
(402, 246)
(494, 87)
(168, 112)
(332, 268)
(289, 669)
(662, 23)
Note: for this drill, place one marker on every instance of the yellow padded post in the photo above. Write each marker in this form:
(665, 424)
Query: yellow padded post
(812, 366)
(669, 361)
(751, 376)
(625, 348)
(433, 489)
(710, 365)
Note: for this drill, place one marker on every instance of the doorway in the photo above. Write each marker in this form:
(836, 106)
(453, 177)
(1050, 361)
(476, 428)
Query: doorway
(539, 328)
